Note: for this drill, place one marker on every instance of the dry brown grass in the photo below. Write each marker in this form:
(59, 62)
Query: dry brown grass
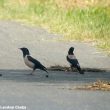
(81, 3)
(67, 3)
(98, 85)
(24, 2)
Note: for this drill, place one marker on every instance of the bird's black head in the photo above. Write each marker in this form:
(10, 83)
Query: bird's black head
(70, 52)
(25, 51)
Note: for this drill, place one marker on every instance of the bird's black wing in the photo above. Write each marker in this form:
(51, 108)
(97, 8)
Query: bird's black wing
(37, 63)
(73, 62)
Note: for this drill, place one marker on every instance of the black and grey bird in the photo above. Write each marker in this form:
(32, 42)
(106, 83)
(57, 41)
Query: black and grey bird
(73, 61)
(31, 62)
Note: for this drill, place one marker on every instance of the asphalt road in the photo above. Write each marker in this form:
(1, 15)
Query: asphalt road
(40, 93)
(17, 89)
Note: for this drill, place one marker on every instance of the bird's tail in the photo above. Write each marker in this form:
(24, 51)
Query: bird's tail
(44, 68)
(80, 70)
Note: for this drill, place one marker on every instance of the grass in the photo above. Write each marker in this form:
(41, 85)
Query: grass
(82, 21)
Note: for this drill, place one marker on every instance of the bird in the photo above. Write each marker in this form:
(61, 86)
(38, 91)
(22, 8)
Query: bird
(32, 62)
(71, 58)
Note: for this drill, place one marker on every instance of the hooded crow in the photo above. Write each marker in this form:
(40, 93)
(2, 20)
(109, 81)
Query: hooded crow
(31, 62)
(73, 61)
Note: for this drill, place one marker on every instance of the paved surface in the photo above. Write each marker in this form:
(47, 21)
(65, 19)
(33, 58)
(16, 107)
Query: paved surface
(43, 47)
(40, 93)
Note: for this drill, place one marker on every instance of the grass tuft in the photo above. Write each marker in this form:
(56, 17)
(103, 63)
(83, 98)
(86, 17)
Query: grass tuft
(77, 20)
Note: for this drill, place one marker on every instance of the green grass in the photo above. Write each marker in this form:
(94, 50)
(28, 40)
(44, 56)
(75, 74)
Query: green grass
(91, 23)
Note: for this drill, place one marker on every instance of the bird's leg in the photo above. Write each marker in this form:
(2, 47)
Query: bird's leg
(80, 70)
(72, 68)
(32, 72)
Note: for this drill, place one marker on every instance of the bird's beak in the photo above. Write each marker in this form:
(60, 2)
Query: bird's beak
(19, 48)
